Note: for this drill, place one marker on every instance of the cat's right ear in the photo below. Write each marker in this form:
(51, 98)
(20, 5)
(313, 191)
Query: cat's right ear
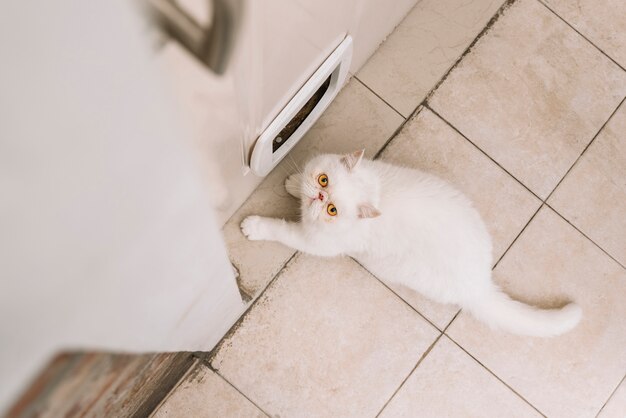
(352, 160)
(367, 210)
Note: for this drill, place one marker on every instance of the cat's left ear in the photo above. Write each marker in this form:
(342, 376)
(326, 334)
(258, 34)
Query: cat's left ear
(352, 160)
(367, 210)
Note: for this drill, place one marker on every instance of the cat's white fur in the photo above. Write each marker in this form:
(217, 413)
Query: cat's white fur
(409, 227)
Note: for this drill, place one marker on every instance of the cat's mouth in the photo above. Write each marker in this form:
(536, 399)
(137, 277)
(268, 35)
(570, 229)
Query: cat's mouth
(315, 206)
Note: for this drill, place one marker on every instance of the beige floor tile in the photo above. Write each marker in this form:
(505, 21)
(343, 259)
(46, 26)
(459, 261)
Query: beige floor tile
(532, 94)
(603, 22)
(449, 383)
(422, 48)
(571, 375)
(616, 406)
(593, 195)
(205, 394)
(327, 340)
(356, 119)
(429, 144)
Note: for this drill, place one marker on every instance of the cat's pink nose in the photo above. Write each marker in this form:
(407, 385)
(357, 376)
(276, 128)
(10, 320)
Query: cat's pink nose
(321, 196)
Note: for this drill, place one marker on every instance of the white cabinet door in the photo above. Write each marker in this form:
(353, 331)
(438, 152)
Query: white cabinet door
(108, 240)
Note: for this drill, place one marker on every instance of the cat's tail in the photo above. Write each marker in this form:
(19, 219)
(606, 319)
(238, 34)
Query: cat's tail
(498, 310)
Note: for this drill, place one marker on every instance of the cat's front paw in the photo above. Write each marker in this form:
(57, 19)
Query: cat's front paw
(255, 228)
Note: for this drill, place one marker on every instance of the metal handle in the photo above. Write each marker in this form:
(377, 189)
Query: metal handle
(211, 45)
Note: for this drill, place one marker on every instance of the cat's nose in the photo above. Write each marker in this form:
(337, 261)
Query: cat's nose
(321, 196)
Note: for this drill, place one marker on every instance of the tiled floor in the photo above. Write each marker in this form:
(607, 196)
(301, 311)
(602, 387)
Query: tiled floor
(530, 122)
(521, 106)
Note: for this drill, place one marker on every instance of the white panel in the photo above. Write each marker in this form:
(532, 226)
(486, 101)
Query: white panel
(335, 70)
(108, 239)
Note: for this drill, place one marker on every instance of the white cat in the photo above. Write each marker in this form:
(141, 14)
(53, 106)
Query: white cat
(404, 226)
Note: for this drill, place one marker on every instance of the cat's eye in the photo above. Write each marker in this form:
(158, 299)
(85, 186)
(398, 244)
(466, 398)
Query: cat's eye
(322, 179)
(331, 209)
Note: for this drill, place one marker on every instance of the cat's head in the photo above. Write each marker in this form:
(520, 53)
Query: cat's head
(334, 190)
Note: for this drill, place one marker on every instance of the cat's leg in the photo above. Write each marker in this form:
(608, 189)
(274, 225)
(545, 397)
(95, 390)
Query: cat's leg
(293, 184)
(290, 234)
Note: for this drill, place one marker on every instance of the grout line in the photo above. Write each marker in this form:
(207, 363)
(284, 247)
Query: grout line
(397, 295)
(483, 32)
(422, 357)
(495, 375)
(211, 355)
(180, 381)
(379, 96)
(578, 32)
(586, 236)
(588, 145)
(518, 235)
(544, 201)
(450, 323)
(397, 131)
(424, 102)
(611, 395)
(483, 152)
(242, 394)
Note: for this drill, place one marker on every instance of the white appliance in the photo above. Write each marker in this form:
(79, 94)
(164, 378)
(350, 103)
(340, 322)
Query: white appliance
(274, 62)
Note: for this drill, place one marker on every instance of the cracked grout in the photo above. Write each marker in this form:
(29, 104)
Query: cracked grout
(231, 331)
(396, 132)
(499, 13)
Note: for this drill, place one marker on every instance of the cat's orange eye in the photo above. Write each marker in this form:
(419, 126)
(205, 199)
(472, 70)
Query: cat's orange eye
(322, 179)
(331, 209)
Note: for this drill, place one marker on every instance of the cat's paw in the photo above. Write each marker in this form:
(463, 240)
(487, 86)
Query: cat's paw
(255, 228)
(292, 185)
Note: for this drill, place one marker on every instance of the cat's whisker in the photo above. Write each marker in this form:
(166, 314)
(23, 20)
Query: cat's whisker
(308, 189)
(294, 164)
(284, 169)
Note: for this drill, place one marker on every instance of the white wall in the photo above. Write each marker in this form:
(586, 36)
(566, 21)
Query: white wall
(107, 235)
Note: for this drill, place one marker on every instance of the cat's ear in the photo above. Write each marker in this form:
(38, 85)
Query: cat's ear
(367, 210)
(353, 159)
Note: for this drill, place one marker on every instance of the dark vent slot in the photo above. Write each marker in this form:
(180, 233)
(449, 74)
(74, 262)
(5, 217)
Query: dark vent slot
(300, 117)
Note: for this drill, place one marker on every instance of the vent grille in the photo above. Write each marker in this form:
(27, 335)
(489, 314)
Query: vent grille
(300, 117)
